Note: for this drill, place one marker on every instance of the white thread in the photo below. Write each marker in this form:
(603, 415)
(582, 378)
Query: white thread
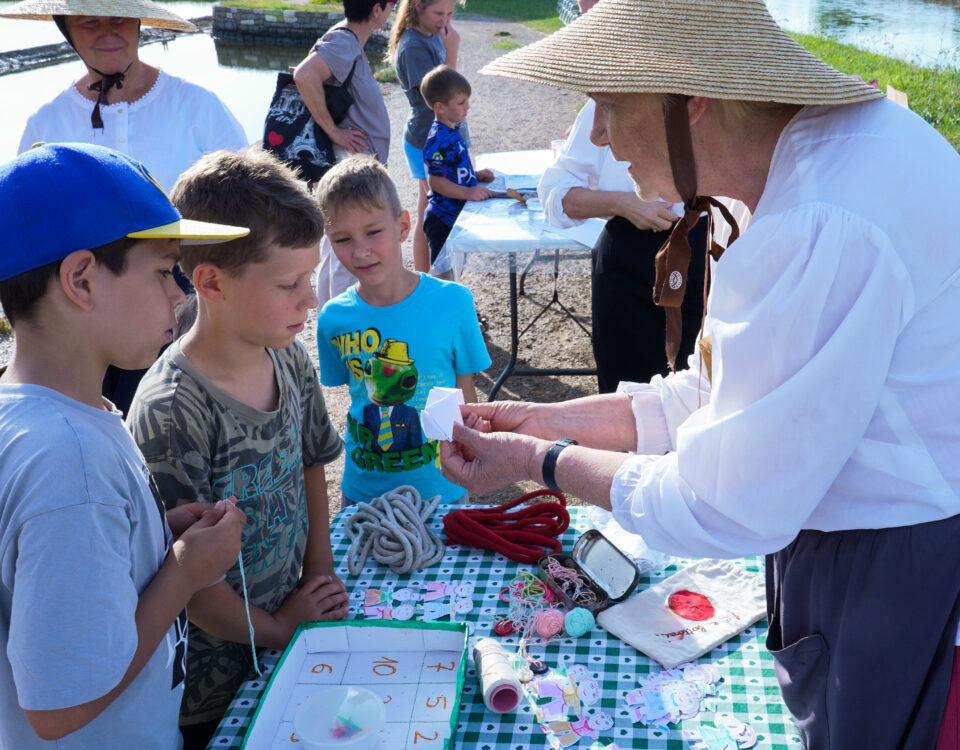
(246, 606)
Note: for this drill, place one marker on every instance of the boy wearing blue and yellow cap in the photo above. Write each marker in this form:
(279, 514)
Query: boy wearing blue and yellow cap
(94, 577)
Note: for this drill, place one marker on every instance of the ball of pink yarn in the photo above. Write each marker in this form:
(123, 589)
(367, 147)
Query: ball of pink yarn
(549, 623)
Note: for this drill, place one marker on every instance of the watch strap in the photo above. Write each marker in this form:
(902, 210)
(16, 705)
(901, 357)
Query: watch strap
(550, 462)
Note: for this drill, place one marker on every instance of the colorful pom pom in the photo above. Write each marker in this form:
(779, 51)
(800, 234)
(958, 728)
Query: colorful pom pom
(579, 622)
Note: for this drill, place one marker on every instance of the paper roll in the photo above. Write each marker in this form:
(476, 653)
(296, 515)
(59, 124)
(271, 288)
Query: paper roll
(498, 682)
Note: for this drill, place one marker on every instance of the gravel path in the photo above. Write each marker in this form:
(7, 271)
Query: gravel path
(505, 115)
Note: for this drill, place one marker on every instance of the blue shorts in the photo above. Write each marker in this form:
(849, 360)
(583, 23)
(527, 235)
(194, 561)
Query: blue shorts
(414, 160)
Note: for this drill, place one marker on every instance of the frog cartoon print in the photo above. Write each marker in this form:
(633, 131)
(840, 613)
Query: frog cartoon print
(390, 377)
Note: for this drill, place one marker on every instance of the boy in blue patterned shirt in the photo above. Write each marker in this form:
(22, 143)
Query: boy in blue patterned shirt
(449, 170)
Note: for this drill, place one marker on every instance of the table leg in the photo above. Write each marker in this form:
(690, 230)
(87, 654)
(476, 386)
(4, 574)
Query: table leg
(526, 268)
(514, 335)
(554, 300)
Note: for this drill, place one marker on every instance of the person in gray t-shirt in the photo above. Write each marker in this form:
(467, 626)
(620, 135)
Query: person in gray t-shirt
(366, 128)
(422, 38)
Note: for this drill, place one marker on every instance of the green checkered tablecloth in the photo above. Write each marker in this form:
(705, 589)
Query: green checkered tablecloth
(749, 689)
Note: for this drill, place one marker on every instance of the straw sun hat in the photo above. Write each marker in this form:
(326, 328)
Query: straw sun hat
(721, 49)
(150, 14)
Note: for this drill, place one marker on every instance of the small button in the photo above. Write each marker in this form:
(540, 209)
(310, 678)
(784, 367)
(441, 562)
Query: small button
(120, 111)
(539, 667)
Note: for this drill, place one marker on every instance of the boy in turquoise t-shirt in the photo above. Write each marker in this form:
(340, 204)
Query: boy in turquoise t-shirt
(391, 337)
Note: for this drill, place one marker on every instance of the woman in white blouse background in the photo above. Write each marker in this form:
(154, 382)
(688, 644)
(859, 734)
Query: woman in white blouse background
(585, 182)
(823, 428)
(121, 102)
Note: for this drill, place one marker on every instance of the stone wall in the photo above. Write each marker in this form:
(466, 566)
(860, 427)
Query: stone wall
(279, 27)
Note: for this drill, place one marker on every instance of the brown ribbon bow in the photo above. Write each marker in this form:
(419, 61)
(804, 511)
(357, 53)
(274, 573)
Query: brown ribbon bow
(673, 259)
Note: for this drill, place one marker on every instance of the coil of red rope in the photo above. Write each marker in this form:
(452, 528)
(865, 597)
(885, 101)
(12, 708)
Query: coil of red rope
(524, 535)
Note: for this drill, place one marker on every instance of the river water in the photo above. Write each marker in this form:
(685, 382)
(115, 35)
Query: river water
(926, 32)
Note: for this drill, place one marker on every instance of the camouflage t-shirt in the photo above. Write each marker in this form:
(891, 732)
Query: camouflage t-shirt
(203, 445)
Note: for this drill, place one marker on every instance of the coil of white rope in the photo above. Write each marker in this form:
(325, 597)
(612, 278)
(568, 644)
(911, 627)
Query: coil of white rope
(393, 528)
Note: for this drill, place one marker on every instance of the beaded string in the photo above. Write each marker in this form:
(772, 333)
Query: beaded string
(246, 606)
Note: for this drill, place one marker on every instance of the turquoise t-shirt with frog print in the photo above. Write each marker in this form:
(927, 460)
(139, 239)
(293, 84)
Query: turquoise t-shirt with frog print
(391, 357)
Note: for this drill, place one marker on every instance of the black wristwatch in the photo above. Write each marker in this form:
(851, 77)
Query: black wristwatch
(550, 462)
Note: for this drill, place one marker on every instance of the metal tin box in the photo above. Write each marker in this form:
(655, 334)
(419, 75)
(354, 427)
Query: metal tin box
(610, 575)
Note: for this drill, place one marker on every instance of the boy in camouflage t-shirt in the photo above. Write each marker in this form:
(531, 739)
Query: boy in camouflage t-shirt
(234, 409)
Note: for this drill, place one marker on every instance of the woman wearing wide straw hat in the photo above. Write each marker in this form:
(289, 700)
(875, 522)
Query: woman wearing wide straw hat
(121, 102)
(818, 421)
(586, 181)
(163, 121)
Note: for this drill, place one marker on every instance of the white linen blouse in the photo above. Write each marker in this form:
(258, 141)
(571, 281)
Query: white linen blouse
(167, 129)
(835, 354)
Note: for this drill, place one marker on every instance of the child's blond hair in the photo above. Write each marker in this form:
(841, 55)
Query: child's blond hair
(359, 180)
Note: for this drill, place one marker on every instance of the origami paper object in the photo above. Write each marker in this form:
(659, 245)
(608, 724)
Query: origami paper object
(440, 413)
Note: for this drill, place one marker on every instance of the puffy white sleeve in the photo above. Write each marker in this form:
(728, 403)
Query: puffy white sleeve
(221, 129)
(665, 403)
(805, 313)
(29, 137)
(578, 164)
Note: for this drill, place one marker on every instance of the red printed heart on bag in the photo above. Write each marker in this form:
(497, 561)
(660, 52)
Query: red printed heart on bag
(690, 605)
(274, 138)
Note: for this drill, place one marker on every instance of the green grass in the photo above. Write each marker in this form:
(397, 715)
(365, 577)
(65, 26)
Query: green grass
(386, 74)
(316, 5)
(506, 45)
(932, 92)
(5, 327)
(537, 14)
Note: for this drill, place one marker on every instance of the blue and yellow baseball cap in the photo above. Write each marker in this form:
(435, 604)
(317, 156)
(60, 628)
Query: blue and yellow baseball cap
(60, 197)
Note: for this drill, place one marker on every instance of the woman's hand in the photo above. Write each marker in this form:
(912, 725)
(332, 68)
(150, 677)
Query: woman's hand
(505, 416)
(484, 462)
(654, 215)
(354, 141)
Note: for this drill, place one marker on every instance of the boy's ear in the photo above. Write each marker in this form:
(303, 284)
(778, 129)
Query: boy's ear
(76, 277)
(403, 219)
(206, 280)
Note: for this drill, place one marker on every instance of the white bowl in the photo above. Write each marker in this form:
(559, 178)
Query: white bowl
(340, 718)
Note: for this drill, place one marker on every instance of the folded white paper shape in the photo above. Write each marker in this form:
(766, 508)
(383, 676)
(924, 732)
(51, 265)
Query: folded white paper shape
(735, 599)
(440, 413)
